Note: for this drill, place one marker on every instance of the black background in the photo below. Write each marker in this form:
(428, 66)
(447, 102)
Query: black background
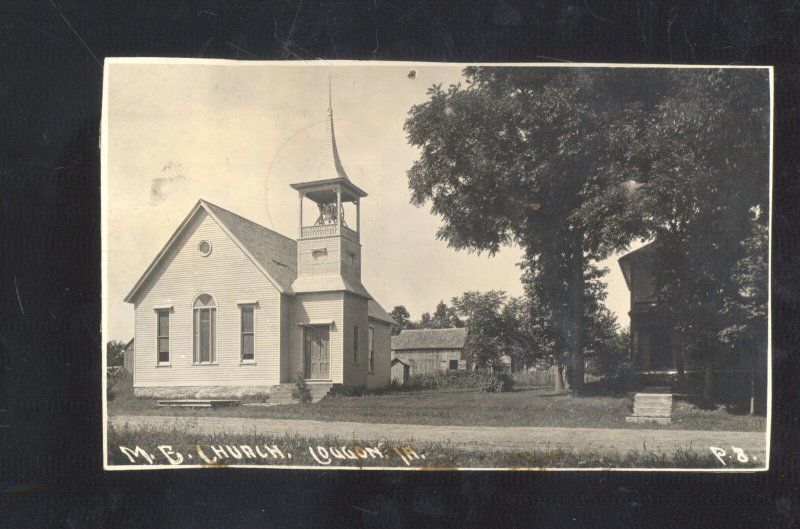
(51, 55)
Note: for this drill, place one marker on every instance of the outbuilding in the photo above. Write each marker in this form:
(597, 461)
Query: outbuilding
(431, 350)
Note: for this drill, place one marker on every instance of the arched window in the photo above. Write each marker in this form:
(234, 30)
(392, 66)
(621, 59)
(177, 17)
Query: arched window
(205, 330)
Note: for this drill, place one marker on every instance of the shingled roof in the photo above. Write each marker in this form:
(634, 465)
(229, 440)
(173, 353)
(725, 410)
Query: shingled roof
(429, 339)
(376, 312)
(276, 253)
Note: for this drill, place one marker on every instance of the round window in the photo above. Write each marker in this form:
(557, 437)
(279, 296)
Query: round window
(205, 248)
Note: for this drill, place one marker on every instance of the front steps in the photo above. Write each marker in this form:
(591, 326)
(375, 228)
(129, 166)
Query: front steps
(282, 394)
(652, 405)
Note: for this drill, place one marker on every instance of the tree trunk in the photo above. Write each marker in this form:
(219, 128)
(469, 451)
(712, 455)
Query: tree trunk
(708, 385)
(578, 288)
(558, 385)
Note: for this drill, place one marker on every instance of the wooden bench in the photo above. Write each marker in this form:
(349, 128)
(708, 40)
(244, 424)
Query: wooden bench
(197, 403)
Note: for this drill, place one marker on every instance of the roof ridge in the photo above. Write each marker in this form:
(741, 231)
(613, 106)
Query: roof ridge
(246, 219)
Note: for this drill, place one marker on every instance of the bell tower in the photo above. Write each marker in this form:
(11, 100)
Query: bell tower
(329, 243)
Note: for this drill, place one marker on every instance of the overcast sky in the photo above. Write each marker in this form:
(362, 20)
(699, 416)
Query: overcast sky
(237, 134)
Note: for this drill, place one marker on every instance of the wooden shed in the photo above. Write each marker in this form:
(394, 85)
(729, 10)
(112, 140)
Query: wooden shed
(401, 370)
(431, 350)
(127, 356)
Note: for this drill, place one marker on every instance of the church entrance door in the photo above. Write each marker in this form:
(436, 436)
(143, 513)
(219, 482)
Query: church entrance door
(316, 352)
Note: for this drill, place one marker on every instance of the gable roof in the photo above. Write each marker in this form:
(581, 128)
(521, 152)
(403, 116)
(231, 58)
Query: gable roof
(272, 253)
(401, 360)
(276, 253)
(376, 312)
(636, 256)
(430, 339)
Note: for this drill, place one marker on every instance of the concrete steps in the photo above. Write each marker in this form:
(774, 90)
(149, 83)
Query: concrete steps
(654, 405)
(282, 394)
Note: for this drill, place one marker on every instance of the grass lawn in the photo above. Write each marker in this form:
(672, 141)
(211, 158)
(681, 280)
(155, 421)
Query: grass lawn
(459, 407)
(180, 447)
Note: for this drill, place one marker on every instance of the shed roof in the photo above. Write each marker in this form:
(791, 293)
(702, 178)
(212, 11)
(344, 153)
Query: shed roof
(430, 339)
(376, 312)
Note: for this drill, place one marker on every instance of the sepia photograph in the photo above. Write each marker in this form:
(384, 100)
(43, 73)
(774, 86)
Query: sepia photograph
(435, 266)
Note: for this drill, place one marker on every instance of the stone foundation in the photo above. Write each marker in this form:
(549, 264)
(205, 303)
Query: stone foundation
(202, 392)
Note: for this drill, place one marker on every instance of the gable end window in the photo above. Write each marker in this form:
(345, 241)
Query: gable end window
(355, 343)
(247, 333)
(372, 349)
(205, 330)
(162, 336)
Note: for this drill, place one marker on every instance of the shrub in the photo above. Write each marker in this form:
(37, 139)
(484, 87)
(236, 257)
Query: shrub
(301, 392)
(480, 380)
(498, 383)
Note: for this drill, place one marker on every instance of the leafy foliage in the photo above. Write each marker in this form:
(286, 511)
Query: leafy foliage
(702, 162)
(115, 352)
(526, 157)
(482, 380)
(401, 317)
(301, 392)
(574, 164)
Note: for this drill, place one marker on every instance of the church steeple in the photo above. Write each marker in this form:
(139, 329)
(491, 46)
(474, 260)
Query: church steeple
(329, 245)
(330, 165)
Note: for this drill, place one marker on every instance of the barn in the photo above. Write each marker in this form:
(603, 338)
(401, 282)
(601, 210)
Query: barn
(431, 350)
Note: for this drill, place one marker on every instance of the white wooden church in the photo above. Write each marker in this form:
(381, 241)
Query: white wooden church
(230, 309)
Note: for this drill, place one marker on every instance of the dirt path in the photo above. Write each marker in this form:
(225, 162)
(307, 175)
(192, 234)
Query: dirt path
(477, 437)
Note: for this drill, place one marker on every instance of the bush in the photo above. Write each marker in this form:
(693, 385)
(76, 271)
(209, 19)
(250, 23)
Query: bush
(301, 392)
(498, 383)
(481, 380)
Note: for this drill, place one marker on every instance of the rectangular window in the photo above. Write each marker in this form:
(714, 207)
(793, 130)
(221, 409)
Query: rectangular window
(372, 349)
(248, 334)
(355, 343)
(453, 364)
(163, 336)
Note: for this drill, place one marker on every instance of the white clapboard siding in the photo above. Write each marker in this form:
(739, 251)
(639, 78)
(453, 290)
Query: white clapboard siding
(351, 270)
(229, 276)
(286, 332)
(355, 313)
(381, 374)
(317, 307)
(326, 263)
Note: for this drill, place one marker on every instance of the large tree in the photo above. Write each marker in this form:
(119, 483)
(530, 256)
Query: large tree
(482, 312)
(701, 162)
(525, 156)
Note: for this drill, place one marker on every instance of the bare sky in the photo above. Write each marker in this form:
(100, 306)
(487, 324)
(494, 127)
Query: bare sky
(237, 134)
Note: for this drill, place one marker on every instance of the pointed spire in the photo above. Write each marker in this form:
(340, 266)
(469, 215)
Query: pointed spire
(329, 166)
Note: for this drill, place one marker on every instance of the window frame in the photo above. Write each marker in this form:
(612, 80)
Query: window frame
(371, 346)
(355, 343)
(242, 308)
(159, 336)
(214, 335)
